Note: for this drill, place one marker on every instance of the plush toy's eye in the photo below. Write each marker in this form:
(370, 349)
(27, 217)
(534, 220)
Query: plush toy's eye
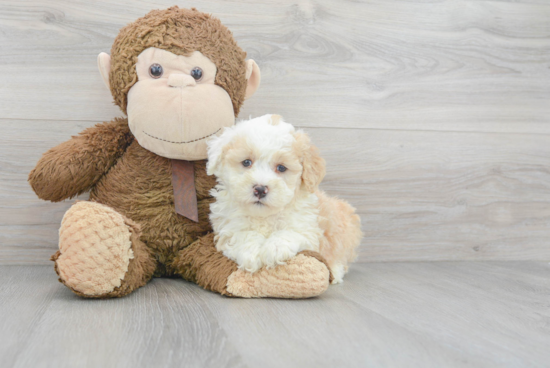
(196, 73)
(155, 71)
(281, 168)
(247, 163)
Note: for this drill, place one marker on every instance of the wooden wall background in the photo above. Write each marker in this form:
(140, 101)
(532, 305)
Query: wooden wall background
(434, 116)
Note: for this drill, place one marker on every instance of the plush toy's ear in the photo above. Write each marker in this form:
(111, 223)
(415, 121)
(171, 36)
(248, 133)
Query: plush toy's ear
(104, 65)
(253, 78)
(313, 164)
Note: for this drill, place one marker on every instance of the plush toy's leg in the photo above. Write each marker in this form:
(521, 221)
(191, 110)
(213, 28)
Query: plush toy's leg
(100, 254)
(304, 276)
(202, 264)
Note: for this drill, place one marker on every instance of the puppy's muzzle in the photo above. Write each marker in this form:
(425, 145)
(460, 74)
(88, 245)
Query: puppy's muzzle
(260, 191)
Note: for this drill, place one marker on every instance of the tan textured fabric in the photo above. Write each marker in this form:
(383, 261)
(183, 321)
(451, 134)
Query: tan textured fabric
(302, 277)
(140, 268)
(95, 248)
(320, 258)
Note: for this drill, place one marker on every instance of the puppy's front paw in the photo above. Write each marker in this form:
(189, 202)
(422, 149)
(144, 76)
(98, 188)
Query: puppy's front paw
(249, 261)
(279, 248)
(243, 248)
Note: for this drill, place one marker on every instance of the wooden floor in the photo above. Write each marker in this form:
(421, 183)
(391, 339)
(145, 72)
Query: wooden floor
(438, 314)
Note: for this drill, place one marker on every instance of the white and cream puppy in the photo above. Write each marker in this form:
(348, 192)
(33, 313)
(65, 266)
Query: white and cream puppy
(268, 207)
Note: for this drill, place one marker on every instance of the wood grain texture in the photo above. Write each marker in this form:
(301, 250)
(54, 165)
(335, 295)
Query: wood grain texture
(421, 195)
(448, 314)
(443, 195)
(433, 116)
(160, 326)
(437, 65)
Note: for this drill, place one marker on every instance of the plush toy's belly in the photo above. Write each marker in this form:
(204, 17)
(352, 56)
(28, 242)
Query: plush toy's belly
(139, 186)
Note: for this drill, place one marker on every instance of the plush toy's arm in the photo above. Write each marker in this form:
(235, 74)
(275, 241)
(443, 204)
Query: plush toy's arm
(304, 276)
(73, 167)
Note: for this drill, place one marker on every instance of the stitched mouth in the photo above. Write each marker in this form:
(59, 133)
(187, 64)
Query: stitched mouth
(194, 140)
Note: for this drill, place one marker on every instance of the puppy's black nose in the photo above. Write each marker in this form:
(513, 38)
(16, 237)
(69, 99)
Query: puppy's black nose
(260, 191)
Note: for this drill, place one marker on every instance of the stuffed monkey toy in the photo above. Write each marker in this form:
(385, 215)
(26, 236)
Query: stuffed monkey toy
(180, 77)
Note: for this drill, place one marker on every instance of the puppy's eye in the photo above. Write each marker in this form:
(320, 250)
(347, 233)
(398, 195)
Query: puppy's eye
(247, 163)
(156, 71)
(196, 73)
(281, 168)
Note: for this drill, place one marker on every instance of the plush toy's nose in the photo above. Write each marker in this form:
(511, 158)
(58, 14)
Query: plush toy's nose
(180, 80)
(260, 191)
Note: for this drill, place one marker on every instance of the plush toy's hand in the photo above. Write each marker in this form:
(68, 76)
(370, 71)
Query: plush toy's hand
(73, 167)
(304, 276)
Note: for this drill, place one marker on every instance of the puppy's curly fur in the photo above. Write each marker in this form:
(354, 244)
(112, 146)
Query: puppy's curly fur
(268, 206)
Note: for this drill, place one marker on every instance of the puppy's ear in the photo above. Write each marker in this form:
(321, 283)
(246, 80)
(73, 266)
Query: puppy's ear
(313, 164)
(215, 153)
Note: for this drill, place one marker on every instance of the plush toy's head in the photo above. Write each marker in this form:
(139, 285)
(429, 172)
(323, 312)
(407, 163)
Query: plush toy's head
(180, 77)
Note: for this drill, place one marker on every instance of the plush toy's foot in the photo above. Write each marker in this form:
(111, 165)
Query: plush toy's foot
(100, 254)
(304, 276)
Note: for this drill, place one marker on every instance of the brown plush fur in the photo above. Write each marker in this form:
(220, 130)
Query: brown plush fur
(85, 159)
(180, 31)
(139, 187)
(203, 264)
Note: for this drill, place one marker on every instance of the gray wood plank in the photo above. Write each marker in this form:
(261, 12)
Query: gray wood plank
(162, 325)
(427, 314)
(455, 66)
(28, 244)
(490, 311)
(25, 296)
(443, 195)
(421, 195)
(330, 331)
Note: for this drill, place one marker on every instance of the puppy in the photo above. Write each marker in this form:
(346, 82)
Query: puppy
(268, 206)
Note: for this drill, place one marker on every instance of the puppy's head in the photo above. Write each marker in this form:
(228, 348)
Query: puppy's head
(264, 164)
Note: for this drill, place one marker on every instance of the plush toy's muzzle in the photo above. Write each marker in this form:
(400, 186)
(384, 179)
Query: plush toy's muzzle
(173, 114)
